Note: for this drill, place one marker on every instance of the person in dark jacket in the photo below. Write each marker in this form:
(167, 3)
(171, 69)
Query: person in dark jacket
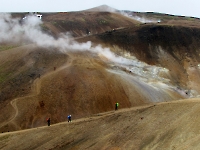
(69, 118)
(48, 121)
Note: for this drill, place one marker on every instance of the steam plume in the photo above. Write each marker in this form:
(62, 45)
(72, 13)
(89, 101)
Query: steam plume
(138, 18)
(29, 30)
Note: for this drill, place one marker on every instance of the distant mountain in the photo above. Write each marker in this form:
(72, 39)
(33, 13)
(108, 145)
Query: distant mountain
(102, 8)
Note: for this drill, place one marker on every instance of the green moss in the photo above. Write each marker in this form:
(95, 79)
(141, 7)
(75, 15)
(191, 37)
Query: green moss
(54, 23)
(4, 137)
(2, 77)
(6, 47)
(103, 22)
(44, 28)
(138, 24)
(82, 19)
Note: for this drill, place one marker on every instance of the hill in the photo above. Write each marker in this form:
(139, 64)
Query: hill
(149, 68)
(102, 8)
(84, 23)
(171, 125)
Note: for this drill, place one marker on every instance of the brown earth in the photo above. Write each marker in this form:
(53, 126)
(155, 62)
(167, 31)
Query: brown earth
(84, 23)
(173, 125)
(37, 83)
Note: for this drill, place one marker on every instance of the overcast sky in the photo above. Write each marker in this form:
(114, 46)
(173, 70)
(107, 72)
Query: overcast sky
(176, 7)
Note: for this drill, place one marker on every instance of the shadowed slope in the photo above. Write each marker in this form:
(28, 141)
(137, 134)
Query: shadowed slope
(175, 48)
(20, 67)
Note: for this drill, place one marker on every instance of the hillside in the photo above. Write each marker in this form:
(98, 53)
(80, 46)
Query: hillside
(150, 68)
(155, 45)
(161, 126)
(84, 23)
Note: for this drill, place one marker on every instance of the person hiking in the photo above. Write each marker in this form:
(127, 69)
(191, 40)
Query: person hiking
(69, 118)
(116, 106)
(48, 121)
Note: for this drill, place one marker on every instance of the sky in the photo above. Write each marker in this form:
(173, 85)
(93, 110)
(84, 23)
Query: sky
(175, 7)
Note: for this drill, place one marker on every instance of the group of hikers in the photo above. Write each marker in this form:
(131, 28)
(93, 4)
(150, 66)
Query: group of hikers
(70, 117)
(69, 120)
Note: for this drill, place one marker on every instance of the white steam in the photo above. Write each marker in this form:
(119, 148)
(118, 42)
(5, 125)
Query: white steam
(145, 20)
(29, 30)
(138, 18)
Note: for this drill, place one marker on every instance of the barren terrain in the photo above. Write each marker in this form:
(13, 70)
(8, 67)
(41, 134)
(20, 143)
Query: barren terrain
(150, 68)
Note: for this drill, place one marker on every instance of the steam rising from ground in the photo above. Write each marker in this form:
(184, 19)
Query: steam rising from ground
(29, 30)
(139, 18)
(145, 20)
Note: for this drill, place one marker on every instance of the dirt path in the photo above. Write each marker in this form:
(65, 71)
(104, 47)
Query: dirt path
(36, 90)
(13, 103)
(107, 131)
(143, 107)
(108, 113)
(37, 86)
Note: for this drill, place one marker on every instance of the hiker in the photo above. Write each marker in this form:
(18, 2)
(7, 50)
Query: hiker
(48, 121)
(116, 106)
(69, 118)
